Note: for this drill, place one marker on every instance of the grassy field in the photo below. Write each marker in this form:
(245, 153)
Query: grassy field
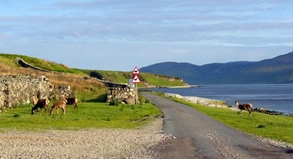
(102, 115)
(276, 127)
(90, 92)
(90, 115)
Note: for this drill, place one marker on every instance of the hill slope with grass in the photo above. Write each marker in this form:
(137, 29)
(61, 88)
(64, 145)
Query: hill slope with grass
(79, 79)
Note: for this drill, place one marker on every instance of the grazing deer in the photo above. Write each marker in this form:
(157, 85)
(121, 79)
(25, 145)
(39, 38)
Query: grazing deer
(60, 103)
(247, 107)
(40, 103)
(72, 101)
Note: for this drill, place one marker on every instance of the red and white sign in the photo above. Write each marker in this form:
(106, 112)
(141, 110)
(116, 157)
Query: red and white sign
(135, 79)
(135, 71)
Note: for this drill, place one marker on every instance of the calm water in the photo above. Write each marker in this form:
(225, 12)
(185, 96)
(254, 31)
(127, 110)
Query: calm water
(277, 97)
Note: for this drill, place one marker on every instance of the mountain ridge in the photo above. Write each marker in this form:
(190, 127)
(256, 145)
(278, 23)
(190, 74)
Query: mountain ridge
(275, 70)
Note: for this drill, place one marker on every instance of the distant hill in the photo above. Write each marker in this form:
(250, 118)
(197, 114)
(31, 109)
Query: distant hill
(275, 70)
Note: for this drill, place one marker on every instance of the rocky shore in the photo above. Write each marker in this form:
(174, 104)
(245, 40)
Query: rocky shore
(201, 101)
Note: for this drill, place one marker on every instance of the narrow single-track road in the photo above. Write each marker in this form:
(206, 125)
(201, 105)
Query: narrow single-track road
(199, 136)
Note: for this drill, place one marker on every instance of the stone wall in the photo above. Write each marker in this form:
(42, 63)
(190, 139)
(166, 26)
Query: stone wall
(24, 64)
(125, 94)
(19, 89)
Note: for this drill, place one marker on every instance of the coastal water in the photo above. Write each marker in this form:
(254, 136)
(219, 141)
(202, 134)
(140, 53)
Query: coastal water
(278, 97)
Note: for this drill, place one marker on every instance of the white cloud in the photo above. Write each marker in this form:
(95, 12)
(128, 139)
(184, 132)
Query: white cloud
(154, 30)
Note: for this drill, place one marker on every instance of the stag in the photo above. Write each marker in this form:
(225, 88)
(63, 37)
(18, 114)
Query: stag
(247, 107)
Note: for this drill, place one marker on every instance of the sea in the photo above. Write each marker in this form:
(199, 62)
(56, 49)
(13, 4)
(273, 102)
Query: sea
(277, 97)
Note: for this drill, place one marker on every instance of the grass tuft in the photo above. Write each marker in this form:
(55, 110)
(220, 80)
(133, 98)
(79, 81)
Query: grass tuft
(16, 115)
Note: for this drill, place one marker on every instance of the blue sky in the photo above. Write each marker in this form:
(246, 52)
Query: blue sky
(122, 34)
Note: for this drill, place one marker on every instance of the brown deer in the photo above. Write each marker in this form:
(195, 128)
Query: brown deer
(247, 107)
(40, 103)
(72, 101)
(60, 103)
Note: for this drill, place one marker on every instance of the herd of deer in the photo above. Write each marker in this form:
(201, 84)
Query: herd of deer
(61, 103)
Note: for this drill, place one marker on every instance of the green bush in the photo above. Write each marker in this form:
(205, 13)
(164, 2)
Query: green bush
(114, 102)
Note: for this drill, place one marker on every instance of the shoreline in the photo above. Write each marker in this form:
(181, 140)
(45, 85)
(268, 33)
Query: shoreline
(186, 86)
(201, 101)
(222, 104)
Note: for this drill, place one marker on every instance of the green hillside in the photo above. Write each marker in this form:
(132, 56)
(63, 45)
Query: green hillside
(147, 79)
(8, 62)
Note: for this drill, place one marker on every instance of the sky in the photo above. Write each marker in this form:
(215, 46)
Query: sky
(122, 34)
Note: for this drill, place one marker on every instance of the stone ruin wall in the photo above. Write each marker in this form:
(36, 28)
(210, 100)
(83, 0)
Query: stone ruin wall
(19, 89)
(128, 95)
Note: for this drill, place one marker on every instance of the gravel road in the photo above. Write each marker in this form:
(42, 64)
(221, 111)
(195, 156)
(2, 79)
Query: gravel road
(202, 137)
(91, 143)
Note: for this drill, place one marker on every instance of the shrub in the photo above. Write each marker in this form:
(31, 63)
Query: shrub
(114, 102)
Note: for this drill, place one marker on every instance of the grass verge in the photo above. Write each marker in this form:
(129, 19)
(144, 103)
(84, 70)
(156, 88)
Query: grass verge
(90, 115)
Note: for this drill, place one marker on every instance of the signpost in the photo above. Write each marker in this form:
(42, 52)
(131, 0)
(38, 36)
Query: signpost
(135, 80)
(135, 76)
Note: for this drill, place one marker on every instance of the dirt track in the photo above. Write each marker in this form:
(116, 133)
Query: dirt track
(199, 136)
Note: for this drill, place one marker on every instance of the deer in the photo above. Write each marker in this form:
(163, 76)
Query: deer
(40, 103)
(70, 101)
(247, 107)
(60, 103)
